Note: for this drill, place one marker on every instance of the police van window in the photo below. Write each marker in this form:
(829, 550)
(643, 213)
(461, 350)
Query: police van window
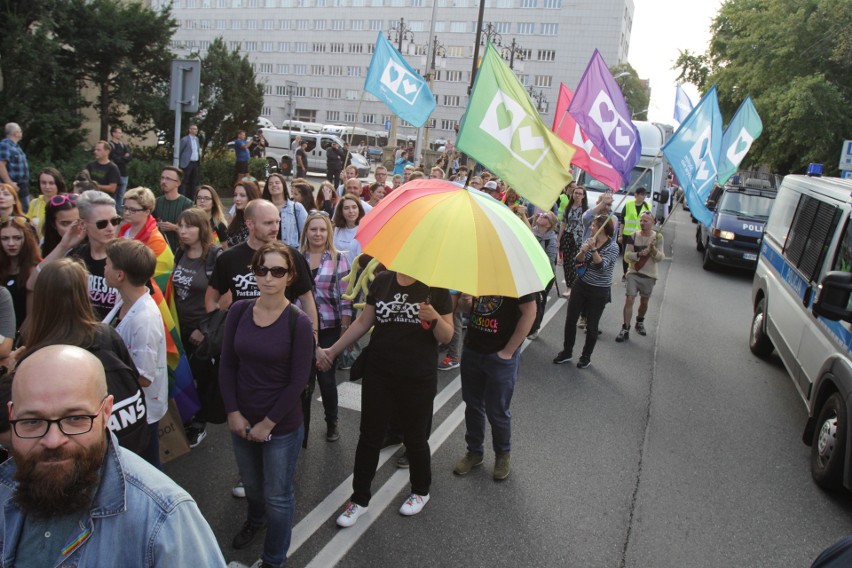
(843, 261)
(810, 235)
(779, 222)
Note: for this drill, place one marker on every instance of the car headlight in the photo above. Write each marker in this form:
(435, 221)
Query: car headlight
(727, 235)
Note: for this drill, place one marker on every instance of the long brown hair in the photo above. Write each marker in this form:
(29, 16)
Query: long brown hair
(28, 257)
(16, 206)
(239, 219)
(217, 212)
(62, 311)
(196, 217)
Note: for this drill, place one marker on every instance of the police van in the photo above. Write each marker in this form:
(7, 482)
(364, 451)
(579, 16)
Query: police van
(802, 310)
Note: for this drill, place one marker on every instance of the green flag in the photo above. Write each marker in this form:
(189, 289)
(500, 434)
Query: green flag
(502, 130)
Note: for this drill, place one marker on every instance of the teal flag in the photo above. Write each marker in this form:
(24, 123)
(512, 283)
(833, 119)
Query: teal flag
(503, 131)
(739, 136)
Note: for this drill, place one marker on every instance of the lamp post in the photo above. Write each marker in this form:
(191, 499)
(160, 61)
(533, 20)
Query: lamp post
(398, 33)
(437, 50)
(540, 99)
(510, 52)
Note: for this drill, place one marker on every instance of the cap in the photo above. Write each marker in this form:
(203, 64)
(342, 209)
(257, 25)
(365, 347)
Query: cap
(490, 186)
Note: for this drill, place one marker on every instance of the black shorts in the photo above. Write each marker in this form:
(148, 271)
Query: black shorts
(242, 167)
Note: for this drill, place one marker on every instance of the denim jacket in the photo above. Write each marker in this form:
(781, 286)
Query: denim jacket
(138, 518)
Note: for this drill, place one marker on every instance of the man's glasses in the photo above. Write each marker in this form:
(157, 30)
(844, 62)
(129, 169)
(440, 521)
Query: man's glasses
(261, 271)
(115, 222)
(31, 428)
(173, 180)
(60, 200)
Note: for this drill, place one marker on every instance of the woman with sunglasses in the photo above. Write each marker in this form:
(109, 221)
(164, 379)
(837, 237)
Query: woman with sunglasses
(50, 183)
(267, 350)
(208, 201)
(293, 215)
(328, 268)
(19, 255)
(244, 192)
(59, 215)
(9, 203)
(142, 226)
(87, 239)
(346, 219)
(401, 367)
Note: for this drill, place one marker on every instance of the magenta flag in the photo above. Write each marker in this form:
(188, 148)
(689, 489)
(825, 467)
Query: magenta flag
(600, 110)
(587, 158)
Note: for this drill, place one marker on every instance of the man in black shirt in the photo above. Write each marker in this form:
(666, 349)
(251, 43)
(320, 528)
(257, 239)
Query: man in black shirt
(334, 157)
(105, 174)
(489, 370)
(120, 156)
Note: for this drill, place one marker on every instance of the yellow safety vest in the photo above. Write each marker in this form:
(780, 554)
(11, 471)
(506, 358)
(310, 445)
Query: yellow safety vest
(631, 216)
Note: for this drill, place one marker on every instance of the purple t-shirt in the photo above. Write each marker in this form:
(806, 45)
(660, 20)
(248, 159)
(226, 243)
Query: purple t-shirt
(260, 375)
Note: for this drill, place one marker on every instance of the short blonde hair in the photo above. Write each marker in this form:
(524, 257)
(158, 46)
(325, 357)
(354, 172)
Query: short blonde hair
(143, 196)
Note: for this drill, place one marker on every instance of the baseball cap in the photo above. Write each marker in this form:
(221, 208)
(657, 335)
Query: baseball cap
(490, 186)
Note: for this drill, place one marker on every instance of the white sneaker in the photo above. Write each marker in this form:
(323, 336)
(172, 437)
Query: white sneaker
(239, 491)
(413, 505)
(349, 515)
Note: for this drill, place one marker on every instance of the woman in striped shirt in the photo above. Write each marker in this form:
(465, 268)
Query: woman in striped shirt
(591, 292)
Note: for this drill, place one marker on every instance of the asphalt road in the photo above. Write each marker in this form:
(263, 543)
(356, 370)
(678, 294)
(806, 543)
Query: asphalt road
(676, 449)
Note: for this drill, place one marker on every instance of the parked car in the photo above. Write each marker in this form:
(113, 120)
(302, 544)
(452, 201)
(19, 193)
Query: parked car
(802, 301)
(740, 211)
(278, 151)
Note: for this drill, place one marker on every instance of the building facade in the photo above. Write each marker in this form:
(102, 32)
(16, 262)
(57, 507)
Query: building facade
(320, 50)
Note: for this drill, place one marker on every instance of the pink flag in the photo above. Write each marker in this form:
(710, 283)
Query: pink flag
(587, 158)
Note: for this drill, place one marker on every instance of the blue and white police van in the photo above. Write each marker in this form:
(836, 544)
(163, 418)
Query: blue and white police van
(736, 230)
(802, 299)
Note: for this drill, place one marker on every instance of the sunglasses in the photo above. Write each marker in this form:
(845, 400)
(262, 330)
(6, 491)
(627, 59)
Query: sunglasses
(115, 222)
(60, 200)
(318, 212)
(261, 271)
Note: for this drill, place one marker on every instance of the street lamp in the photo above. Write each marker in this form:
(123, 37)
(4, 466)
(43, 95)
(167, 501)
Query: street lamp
(510, 52)
(438, 50)
(542, 104)
(398, 33)
(490, 32)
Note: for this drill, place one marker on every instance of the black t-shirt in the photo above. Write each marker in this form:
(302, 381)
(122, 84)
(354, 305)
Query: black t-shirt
(104, 174)
(232, 273)
(102, 296)
(400, 344)
(301, 159)
(18, 290)
(493, 320)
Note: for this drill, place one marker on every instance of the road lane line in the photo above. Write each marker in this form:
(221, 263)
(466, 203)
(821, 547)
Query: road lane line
(340, 544)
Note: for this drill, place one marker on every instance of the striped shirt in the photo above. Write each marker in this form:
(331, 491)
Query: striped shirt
(600, 275)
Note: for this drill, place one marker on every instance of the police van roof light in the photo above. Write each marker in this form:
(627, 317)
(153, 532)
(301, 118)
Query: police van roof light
(815, 170)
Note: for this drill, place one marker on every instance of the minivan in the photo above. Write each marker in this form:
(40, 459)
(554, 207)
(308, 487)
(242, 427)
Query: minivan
(802, 310)
(278, 151)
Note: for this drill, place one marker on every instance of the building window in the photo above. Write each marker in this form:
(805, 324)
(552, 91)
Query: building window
(283, 46)
(315, 92)
(456, 51)
(319, 25)
(528, 3)
(284, 24)
(448, 124)
(266, 68)
(543, 80)
(352, 94)
(300, 69)
(526, 28)
(267, 46)
(336, 48)
(335, 93)
(451, 100)
(553, 4)
(251, 24)
(281, 91)
(332, 115)
(356, 48)
(416, 3)
(353, 71)
(546, 55)
(368, 118)
(502, 27)
(299, 91)
(338, 25)
(458, 27)
(348, 117)
(300, 47)
(269, 24)
(317, 69)
(357, 25)
(221, 24)
(282, 68)
(306, 115)
(267, 89)
(266, 111)
(549, 29)
(454, 76)
(320, 47)
(376, 25)
(335, 70)
(236, 24)
(303, 24)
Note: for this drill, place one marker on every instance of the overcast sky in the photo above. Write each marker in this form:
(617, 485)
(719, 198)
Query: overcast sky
(660, 29)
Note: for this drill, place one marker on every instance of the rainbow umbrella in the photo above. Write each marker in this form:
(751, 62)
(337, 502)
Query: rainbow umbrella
(450, 237)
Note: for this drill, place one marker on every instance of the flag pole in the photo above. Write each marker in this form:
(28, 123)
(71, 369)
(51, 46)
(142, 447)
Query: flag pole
(352, 134)
(627, 192)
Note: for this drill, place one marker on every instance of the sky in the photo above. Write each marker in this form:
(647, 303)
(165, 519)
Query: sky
(660, 29)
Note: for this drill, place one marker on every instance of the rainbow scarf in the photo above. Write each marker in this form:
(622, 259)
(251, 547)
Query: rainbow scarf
(151, 236)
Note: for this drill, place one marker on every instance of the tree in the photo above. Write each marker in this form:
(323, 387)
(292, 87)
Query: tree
(794, 57)
(122, 50)
(231, 97)
(634, 89)
(38, 91)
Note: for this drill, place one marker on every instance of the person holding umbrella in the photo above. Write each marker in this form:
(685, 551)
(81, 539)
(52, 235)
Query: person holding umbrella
(410, 319)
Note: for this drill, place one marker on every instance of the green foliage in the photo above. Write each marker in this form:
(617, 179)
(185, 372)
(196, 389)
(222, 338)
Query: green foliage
(794, 57)
(69, 166)
(146, 173)
(231, 97)
(38, 92)
(220, 173)
(634, 89)
(122, 50)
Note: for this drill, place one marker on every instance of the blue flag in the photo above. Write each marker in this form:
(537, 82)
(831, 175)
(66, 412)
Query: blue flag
(394, 82)
(683, 106)
(739, 136)
(693, 153)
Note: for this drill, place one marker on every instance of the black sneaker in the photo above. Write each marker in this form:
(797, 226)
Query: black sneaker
(402, 462)
(194, 435)
(584, 362)
(245, 536)
(332, 434)
(640, 328)
(562, 357)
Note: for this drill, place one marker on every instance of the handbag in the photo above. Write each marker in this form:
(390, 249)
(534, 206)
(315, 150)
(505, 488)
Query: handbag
(212, 325)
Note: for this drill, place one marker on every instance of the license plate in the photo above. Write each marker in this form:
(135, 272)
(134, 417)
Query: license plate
(749, 256)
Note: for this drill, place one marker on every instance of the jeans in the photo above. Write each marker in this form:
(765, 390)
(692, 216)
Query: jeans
(487, 383)
(590, 300)
(119, 193)
(267, 470)
(326, 379)
(380, 397)
(455, 346)
(24, 196)
(190, 180)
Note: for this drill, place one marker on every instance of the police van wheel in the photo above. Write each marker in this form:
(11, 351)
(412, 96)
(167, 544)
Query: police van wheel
(758, 341)
(707, 263)
(829, 444)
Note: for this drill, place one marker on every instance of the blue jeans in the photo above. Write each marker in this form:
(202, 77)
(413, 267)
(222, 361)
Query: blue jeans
(487, 383)
(267, 470)
(455, 345)
(119, 193)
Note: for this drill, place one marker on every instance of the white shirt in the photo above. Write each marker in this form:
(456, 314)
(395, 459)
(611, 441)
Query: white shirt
(193, 143)
(344, 241)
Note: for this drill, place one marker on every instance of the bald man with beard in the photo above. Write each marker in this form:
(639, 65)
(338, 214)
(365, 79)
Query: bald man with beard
(70, 495)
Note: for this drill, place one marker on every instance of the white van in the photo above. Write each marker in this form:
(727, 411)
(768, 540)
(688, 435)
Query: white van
(278, 153)
(802, 310)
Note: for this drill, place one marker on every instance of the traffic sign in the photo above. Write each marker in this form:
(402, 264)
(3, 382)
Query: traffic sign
(846, 156)
(185, 85)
